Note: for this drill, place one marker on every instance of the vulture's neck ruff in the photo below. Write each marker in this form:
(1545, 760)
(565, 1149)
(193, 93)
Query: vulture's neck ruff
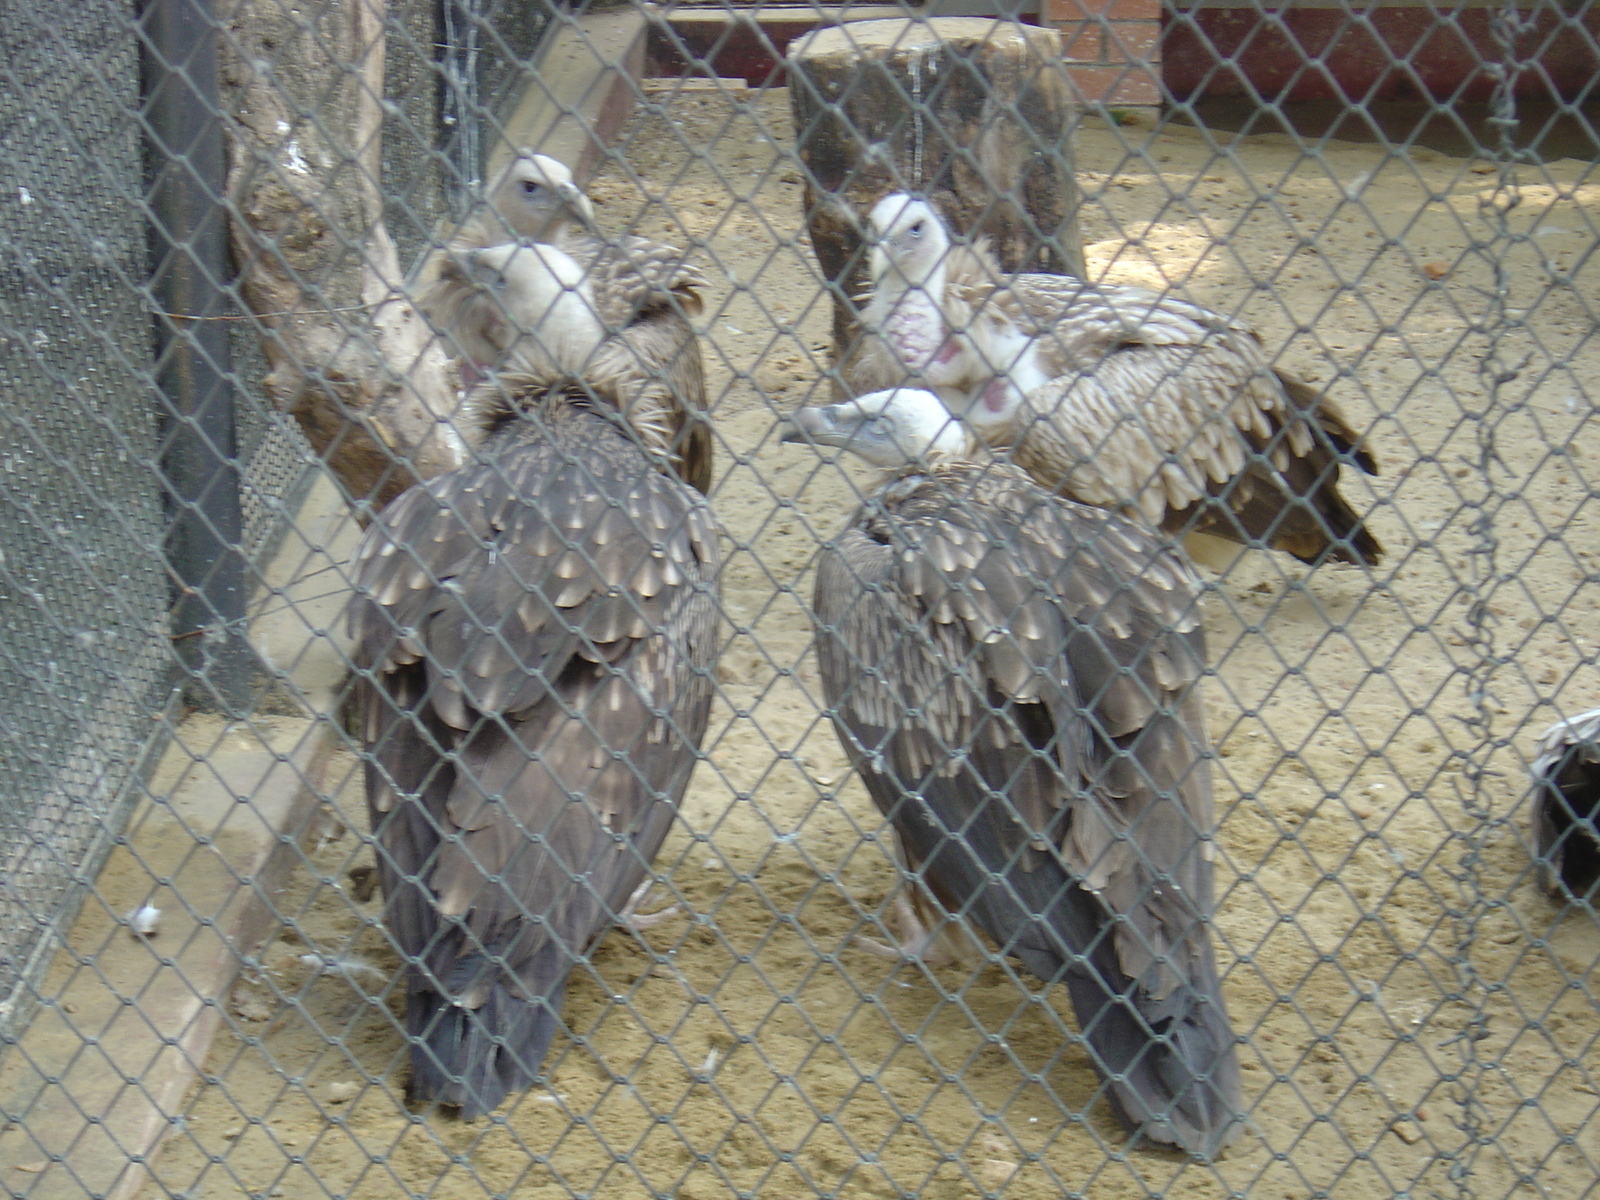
(523, 404)
(530, 304)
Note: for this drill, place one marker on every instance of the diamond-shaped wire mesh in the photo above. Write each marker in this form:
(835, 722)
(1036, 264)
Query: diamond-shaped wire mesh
(1399, 201)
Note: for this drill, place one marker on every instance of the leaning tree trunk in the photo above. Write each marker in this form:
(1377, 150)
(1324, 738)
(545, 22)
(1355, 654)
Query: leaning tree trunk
(349, 356)
(975, 114)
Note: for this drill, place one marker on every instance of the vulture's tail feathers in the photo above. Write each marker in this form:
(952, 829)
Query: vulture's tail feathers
(1352, 542)
(1325, 524)
(1316, 523)
(1325, 415)
(1298, 510)
(1171, 1066)
(473, 1058)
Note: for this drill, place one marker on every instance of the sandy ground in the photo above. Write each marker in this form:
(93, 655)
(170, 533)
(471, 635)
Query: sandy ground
(1380, 927)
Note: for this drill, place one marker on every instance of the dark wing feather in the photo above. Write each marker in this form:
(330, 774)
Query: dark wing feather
(1566, 803)
(539, 628)
(1015, 678)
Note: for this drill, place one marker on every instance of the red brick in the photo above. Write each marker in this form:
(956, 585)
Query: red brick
(1113, 85)
(1133, 41)
(1059, 12)
(1136, 89)
(1083, 41)
(1062, 13)
(1133, 10)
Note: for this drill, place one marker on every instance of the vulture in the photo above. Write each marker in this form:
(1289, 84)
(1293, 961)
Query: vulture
(643, 292)
(1016, 678)
(1566, 800)
(1114, 396)
(534, 636)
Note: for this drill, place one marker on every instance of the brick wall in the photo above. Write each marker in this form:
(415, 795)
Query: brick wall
(1394, 51)
(1116, 53)
(1112, 48)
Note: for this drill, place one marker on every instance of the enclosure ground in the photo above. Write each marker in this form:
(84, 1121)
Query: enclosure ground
(126, 1022)
(755, 1048)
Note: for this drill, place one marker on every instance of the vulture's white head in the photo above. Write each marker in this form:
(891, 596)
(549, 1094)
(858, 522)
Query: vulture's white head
(889, 429)
(534, 306)
(538, 200)
(909, 242)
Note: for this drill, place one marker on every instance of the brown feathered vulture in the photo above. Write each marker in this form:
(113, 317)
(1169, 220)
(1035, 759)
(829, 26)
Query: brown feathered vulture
(1016, 678)
(1115, 396)
(1566, 803)
(535, 634)
(643, 291)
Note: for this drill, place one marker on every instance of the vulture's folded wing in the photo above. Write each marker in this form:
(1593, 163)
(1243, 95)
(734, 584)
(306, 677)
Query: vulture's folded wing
(540, 626)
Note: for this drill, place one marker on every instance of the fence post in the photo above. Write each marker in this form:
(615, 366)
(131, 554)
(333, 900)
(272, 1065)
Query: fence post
(188, 273)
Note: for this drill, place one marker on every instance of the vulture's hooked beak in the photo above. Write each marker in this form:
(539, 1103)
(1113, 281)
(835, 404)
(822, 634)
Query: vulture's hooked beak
(867, 434)
(554, 202)
(817, 424)
(577, 203)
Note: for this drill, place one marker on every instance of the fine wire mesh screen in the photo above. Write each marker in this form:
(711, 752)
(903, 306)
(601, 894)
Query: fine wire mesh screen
(84, 663)
(1398, 201)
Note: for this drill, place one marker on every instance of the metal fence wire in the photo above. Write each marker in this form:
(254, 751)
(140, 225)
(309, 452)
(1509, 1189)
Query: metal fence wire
(1241, 876)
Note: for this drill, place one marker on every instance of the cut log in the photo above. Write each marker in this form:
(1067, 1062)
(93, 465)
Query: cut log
(975, 114)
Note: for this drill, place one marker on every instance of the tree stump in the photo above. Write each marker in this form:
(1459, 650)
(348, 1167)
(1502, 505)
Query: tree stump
(975, 114)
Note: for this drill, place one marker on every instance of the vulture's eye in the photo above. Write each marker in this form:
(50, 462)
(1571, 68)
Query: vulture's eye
(916, 230)
(529, 187)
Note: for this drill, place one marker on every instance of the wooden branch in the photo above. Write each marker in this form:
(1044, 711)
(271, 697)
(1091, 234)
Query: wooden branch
(349, 355)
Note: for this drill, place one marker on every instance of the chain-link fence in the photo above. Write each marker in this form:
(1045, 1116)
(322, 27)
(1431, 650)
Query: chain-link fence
(208, 991)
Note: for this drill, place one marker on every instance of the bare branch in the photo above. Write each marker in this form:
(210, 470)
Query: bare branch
(350, 356)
